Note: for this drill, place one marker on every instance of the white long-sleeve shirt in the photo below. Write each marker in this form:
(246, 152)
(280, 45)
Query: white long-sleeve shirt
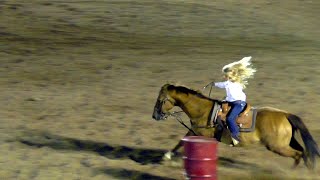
(234, 90)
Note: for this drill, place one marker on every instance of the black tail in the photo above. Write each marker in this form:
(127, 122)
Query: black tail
(311, 146)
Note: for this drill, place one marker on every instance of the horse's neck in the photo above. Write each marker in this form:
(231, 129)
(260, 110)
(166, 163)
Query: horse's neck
(192, 105)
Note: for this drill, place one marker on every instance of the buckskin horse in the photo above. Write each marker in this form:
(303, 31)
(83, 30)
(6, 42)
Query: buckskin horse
(274, 128)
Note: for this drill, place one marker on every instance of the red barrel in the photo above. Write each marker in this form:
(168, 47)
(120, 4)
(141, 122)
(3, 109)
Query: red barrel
(200, 157)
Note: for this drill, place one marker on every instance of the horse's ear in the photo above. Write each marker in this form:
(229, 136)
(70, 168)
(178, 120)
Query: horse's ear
(172, 83)
(170, 87)
(167, 86)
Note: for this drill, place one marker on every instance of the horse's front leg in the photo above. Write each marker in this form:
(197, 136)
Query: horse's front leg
(168, 155)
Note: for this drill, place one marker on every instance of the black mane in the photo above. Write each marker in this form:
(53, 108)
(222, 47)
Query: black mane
(185, 90)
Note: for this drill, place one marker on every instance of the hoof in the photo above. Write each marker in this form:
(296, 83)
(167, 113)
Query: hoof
(168, 155)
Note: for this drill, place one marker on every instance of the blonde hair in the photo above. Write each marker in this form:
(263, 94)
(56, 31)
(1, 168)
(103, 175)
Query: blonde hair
(239, 71)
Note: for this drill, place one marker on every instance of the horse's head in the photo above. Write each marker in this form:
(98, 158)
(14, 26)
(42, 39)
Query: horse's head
(164, 103)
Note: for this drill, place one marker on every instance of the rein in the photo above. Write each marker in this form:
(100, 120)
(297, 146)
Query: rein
(174, 114)
(211, 84)
(178, 118)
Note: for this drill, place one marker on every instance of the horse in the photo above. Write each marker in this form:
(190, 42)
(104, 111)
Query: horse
(274, 128)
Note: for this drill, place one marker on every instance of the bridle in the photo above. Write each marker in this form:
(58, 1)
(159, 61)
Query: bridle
(176, 116)
(166, 115)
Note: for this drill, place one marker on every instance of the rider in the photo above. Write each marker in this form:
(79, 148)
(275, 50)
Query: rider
(236, 75)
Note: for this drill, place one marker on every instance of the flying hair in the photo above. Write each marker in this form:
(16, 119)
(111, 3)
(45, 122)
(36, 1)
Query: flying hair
(239, 71)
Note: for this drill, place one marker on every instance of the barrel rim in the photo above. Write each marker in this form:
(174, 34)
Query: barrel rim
(199, 139)
(199, 159)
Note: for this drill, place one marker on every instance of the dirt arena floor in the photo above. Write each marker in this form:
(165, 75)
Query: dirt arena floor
(79, 80)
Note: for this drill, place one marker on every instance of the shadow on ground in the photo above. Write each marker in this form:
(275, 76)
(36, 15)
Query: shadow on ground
(124, 173)
(139, 155)
(43, 139)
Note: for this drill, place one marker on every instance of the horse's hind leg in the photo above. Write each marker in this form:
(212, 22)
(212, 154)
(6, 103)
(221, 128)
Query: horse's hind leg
(288, 151)
(295, 145)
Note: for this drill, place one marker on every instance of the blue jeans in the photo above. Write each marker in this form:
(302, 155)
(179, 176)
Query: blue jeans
(236, 109)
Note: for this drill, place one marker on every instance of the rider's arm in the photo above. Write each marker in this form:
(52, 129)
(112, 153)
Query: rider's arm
(220, 84)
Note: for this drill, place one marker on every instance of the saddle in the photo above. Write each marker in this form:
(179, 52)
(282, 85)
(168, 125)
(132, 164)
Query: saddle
(245, 120)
